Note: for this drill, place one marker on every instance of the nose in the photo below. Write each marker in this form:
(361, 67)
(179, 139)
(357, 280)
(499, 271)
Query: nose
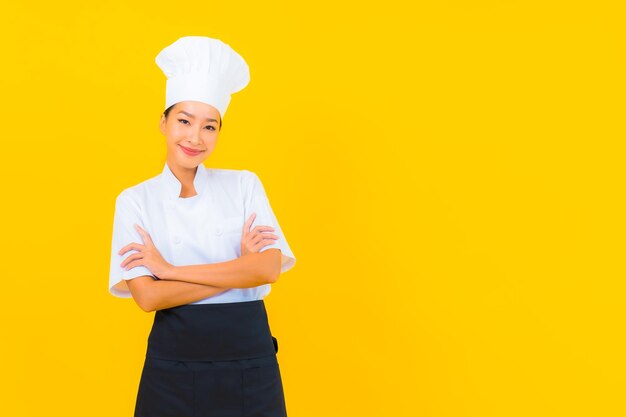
(194, 137)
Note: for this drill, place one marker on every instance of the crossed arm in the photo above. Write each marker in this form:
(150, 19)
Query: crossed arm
(189, 283)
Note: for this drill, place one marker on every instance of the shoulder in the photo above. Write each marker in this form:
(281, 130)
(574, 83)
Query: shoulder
(246, 182)
(226, 172)
(139, 192)
(242, 177)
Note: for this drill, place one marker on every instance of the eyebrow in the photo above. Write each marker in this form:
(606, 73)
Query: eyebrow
(193, 117)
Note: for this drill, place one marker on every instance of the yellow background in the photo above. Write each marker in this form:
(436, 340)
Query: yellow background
(450, 177)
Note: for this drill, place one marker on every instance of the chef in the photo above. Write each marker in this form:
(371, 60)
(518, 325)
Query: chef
(201, 247)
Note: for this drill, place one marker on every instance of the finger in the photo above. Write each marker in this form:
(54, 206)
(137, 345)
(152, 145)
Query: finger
(144, 235)
(270, 241)
(130, 246)
(263, 229)
(248, 223)
(256, 238)
(130, 258)
(258, 246)
(251, 241)
(246, 239)
(265, 235)
(250, 219)
(138, 262)
(253, 247)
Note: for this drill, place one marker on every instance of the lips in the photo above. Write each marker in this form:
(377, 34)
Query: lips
(190, 151)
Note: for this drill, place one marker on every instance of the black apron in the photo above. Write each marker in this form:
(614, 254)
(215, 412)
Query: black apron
(211, 360)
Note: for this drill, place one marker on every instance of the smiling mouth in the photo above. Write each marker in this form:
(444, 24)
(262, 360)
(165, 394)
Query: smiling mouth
(190, 151)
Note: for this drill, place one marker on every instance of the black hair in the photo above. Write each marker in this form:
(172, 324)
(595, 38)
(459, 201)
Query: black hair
(167, 112)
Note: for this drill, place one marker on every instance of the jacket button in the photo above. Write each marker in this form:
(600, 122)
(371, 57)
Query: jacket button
(177, 240)
(219, 231)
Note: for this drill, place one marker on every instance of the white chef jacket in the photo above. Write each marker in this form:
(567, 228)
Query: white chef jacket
(202, 229)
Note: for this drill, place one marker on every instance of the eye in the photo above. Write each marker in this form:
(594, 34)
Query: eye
(183, 120)
(210, 127)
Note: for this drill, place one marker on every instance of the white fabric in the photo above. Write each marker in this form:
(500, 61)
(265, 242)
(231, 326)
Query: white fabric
(202, 69)
(202, 229)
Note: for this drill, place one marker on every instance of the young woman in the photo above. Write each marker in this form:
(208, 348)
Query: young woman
(201, 247)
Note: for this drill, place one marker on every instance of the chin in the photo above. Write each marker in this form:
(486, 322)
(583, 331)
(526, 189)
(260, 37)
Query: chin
(188, 163)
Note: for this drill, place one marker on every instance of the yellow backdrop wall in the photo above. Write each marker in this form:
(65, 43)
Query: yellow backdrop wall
(449, 175)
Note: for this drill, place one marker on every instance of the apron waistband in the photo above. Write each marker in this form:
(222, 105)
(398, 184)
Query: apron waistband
(212, 332)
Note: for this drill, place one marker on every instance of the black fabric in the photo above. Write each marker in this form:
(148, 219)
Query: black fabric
(211, 332)
(185, 373)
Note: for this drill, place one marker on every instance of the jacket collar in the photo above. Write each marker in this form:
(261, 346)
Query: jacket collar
(172, 186)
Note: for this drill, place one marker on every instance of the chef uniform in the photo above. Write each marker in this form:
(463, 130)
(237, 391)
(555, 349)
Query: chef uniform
(215, 356)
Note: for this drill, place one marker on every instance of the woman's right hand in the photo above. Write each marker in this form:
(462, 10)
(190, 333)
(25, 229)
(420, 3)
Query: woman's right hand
(253, 240)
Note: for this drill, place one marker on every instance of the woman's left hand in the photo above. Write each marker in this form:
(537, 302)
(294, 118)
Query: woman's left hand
(147, 256)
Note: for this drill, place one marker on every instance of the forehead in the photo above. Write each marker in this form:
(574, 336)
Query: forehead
(197, 109)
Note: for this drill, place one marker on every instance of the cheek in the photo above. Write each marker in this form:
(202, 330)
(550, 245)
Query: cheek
(209, 141)
(176, 131)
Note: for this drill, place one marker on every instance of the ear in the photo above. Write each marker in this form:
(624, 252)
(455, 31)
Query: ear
(162, 124)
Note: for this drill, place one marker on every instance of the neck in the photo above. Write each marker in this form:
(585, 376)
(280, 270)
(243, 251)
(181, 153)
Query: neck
(186, 177)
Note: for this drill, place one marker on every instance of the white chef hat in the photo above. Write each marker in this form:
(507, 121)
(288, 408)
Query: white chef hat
(202, 69)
